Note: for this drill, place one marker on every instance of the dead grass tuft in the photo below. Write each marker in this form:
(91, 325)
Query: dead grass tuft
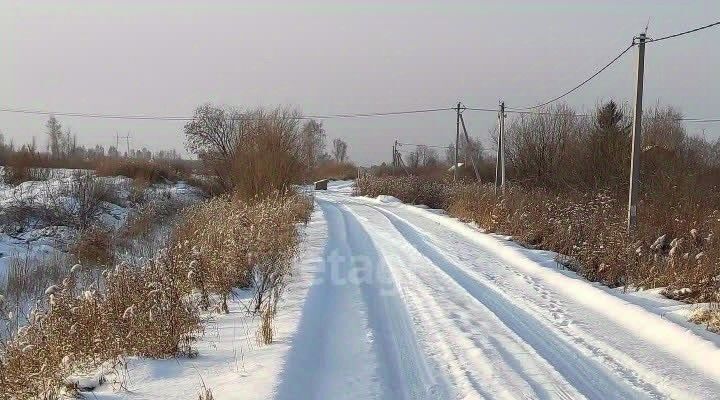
(588, 230)
(144, 171)
(94, 246)
(140, 311)
(708, 316)
(19, 168)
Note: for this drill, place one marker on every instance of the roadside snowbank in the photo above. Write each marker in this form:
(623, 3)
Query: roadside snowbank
(229, 361)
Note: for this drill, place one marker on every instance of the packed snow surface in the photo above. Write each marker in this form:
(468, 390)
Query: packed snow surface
(392, 301)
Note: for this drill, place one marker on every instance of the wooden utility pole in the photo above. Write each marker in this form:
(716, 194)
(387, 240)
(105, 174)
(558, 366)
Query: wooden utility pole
(636, 137)
(500, 162)
(457, 142)
(395, 156)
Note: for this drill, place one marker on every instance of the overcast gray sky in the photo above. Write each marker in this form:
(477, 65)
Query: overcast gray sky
(165, 58)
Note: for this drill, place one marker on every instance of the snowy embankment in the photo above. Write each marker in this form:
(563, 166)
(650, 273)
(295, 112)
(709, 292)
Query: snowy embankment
(230, 361)
(32, 238)
(392, 301)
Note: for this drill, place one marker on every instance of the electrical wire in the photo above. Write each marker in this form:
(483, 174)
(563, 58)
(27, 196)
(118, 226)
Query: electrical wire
(622, 53)
(698, 120)
(515, 110)
(179, 118)
(519, 111)
(92, 115)
(424, 145)
(682, 33)
(378, 114)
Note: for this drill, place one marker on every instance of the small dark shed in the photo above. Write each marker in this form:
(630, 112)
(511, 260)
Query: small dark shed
(321, 184)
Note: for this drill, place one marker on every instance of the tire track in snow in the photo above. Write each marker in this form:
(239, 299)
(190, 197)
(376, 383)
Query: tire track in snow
(331, 354)
(589, 377)
(627, 339)
(480, 359)
(370, 352)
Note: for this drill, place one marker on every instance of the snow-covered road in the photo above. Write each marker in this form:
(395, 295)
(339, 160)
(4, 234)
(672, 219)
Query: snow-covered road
(411, 304)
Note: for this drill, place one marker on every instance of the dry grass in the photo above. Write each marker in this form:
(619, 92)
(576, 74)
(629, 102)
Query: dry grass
(205, 393)
(153, 309)
(588, 230)
(94, 246)
(140, 311)
(20, 168)
(411, 189)
(335, 170)
(708, 316)
(251, 246)
(210, 185)
(144, 171)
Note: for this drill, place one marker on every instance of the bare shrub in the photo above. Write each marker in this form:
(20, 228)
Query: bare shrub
(143, 170)
(141, 311)
(94, 246)
(588, 229)
(19, 168)
(252, 152)
(76, 202)
(335, 170)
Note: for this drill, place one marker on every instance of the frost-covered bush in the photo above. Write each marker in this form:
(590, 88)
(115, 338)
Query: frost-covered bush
(138, 311)
(410, 189)
(673, 247)
(153, 309)
(251, 246)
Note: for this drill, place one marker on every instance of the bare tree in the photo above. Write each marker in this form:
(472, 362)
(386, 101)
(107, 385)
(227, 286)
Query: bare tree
(538, 147)
(55, 136)
(662, 128)
(422, 156)
(252, 151)
(214, 132)
(339, 150)
(313, 143)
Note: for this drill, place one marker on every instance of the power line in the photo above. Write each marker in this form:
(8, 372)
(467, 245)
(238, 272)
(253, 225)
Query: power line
(699, 120)
(519, 111)
(683, 33)
(378, 114)
(180, 118)
(581, 83)
(481, 109)
(613, 61)
(424, 145)
(93, 115)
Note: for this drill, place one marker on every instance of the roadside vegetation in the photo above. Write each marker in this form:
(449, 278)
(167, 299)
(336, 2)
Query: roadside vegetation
(106, 298)
(567, 192)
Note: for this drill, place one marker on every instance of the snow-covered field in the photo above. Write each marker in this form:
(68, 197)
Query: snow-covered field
(38, 240)
(393, 301)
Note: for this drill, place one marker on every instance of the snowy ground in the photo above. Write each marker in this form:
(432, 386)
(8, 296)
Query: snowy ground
(393, 301)
(42, 241)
